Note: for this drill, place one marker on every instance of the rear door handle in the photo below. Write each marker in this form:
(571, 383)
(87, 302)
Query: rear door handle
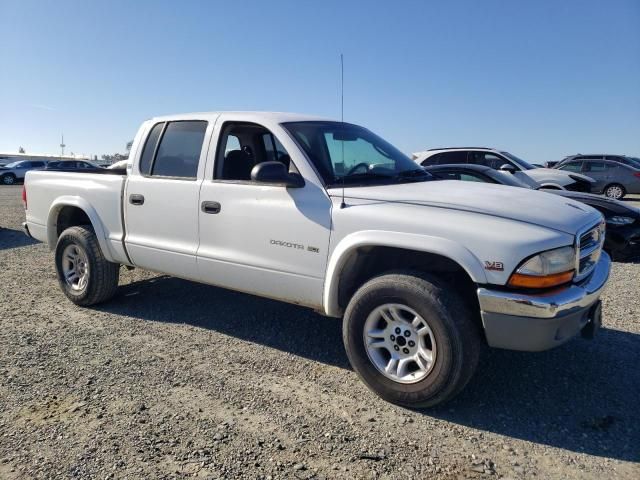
(210, 207)
(136, 199)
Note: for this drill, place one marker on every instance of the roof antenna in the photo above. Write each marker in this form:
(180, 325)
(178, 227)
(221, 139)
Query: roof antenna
(342, 204)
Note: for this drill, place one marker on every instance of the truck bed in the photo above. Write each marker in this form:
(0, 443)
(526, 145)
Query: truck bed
(102, 171)
(97, 194)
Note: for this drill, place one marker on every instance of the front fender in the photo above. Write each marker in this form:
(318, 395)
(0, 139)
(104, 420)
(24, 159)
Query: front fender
(423, 243)
(79, 202)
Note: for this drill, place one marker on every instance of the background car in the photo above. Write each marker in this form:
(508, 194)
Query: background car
(14, 172)
(501, 160)
(613, 179)
(72, 165)
(624, 159)
(622, 240)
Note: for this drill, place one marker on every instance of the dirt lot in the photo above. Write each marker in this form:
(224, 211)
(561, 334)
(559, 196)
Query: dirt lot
(173, 379)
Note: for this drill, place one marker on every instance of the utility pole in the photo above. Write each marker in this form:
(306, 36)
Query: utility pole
(62, 145)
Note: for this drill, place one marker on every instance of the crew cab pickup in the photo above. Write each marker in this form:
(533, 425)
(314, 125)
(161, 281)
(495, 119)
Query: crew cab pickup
(325, 214)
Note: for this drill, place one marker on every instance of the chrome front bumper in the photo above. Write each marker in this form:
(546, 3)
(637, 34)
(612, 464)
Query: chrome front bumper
(520, 321)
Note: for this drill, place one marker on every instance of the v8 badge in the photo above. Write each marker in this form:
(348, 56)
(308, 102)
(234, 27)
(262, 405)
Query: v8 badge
(496, 266)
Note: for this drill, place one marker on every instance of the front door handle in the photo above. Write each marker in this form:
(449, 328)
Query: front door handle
(210, 207)
(136, 199)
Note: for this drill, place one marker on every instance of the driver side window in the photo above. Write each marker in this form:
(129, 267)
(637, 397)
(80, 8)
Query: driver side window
(242, 146)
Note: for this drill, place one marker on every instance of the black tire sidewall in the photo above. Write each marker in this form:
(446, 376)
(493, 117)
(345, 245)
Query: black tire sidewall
(434, 313)
(67, 238)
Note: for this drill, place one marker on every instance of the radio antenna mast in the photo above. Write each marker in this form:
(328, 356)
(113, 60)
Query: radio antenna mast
(342, 204)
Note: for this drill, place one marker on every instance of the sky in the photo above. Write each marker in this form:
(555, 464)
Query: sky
(542, 79)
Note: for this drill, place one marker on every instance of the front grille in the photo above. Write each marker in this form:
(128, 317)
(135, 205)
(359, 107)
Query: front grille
(589, 247)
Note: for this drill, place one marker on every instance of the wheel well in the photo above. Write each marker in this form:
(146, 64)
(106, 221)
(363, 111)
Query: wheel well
(70, 217)
(367, 262)
(612, 184)
(549, 187)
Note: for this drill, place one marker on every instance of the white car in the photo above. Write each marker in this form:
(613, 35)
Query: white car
(15, 171)
(501, 160)
(328, 215)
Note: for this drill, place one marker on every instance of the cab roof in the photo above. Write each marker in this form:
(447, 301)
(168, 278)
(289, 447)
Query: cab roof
(278, 117)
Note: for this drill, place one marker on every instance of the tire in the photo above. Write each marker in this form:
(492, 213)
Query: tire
(97, 278)
(456, 336)
(9, 179)
(615, 191)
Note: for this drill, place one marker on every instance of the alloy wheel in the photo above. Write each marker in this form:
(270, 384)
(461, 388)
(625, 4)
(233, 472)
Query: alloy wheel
(75, 267)
(399, 343)
(615, 192)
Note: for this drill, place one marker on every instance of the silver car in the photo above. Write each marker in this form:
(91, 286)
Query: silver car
(501, 160)
(614, 179)
(14, 172)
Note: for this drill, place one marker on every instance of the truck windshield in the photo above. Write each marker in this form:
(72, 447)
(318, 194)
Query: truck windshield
(347, 154)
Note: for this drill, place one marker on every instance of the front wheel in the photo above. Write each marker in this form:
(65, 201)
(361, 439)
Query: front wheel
(411, 340)
(84, 275)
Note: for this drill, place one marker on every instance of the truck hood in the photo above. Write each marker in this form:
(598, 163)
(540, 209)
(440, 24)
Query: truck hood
(520, 204)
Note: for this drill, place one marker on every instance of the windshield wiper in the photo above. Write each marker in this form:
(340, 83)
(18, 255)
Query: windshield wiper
(363, 176)
(418, 175)
(418, 172)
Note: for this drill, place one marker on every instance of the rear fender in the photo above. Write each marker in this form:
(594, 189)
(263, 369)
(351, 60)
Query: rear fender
(85, 206)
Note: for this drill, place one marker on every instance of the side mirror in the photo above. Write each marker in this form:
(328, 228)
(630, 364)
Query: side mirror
(507, 167)
(276, 173)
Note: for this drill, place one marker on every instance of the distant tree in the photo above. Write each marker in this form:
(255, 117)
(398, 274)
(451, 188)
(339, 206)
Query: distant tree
(21, 150)
(129, 144)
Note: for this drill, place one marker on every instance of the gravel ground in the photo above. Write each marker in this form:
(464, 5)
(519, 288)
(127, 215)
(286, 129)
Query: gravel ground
(173, 379)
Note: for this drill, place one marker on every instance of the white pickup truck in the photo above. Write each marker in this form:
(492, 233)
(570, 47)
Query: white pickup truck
(326, 214)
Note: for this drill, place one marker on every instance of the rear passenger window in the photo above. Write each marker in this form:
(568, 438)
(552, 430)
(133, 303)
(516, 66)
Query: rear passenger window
(572, 166)
(487, 159)
(595, 167)
(452, 157)
(179, 150)
(150, 148)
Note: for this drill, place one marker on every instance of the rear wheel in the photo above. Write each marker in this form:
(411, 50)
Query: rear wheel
(9, 179)
(411, 340)
(615, 191)
(84, 275)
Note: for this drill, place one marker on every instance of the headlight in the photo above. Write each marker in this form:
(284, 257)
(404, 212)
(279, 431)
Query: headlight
(546, 269)
(618, 220)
